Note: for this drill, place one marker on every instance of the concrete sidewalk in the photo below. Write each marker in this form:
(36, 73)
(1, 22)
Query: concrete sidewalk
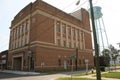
(20, 72)
(92, 76)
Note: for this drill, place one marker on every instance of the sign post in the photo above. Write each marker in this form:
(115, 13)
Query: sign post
(29, 59)
(86, 62)
(72, 57)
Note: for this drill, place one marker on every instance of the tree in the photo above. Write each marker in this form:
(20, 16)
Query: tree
(106, 55)
(114, 54)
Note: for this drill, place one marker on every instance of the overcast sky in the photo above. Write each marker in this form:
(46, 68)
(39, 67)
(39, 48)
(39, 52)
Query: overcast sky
(110, 10)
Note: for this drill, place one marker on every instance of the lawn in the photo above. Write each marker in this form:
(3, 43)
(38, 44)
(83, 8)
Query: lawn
(74, 79)
(112, 75)
(82, 74)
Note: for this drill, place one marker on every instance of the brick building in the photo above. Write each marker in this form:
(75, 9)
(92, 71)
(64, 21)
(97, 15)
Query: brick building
(43, 37)
(3, 59)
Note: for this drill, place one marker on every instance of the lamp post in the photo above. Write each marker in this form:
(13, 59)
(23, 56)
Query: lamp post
(98, 74)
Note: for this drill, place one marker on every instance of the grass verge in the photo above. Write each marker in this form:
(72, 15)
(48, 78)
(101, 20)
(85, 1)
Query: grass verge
(112, 75)
(74, 79)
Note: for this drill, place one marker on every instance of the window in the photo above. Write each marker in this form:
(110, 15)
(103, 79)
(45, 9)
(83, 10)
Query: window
(69, 31)
(70, 44)
(23, 41)
(58, 42)
(20, 42)
(26, 27)
(18, 31)
(58, 27)
(70, 61)
(64, 43)
(16, 44)
(78, 45)
(82, 36)
(74, 45)
(59, 62)
(14, 34)
(26, 40)
(64, 30)
(73, 31)
(22, 28)
(78, 34)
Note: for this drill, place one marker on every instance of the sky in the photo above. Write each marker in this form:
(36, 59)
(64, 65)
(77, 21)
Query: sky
(110, 10)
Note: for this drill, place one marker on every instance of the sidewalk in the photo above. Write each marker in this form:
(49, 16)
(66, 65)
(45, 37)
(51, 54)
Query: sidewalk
(52, 76)
(19, 72)
(92, 76)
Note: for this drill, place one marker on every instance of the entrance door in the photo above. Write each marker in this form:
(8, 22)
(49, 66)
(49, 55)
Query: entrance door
(17, 63)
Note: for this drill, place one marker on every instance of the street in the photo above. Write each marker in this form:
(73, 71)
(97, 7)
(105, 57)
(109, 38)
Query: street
(9, 76)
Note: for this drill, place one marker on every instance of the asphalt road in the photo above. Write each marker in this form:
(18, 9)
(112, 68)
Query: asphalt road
(9, 76)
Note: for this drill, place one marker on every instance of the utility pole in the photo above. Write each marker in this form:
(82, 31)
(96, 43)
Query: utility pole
(96, 45)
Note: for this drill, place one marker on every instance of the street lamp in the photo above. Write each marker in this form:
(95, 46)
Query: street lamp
(95, 42)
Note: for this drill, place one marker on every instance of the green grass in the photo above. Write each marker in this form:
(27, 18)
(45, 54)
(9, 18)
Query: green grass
(79, 74)
(83, 74)
(74, 79)
(112, 75)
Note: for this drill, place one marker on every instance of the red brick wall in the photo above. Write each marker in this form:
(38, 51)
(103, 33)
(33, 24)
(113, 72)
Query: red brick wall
(50, 57)
(88, 41)
(42, 29)
(85, 19)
